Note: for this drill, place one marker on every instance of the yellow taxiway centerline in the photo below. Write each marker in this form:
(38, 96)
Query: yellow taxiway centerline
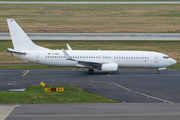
(25, 73)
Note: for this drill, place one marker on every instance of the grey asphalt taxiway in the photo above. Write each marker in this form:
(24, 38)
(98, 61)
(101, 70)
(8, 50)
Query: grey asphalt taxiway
(130, 86)
(143, 94)
(99, 36)
(95, 111)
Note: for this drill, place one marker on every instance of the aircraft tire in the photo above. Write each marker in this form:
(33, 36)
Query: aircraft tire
(90, 71)
(158, 72)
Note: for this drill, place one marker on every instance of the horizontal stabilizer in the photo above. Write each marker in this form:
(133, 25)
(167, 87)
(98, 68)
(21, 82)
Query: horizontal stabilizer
(15, 51)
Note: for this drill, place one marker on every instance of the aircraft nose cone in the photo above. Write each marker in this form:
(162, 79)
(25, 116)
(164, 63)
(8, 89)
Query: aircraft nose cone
(173, 61)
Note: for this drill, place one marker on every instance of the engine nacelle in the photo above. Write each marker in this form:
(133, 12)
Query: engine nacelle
(109, 67)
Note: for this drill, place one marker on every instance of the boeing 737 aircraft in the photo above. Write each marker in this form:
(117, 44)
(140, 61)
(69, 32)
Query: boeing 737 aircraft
(108, 61)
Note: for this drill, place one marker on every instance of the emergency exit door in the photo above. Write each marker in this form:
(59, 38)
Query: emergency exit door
(156, 58)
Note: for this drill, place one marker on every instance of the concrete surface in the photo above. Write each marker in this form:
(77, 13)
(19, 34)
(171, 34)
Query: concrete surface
(105, 111)
(5, 111)
(98, 36)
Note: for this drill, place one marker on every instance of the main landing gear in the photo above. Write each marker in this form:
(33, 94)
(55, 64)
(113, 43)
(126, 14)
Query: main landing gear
(90, 71)
(159, 70)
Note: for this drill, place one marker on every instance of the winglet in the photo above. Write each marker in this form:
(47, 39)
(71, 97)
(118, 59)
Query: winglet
(69, 48)
(66, 55)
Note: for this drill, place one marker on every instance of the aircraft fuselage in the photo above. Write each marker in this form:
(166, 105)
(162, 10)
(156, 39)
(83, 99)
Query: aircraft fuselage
(137, 59)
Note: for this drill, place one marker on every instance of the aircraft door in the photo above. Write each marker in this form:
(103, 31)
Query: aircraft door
(156, 58)
(37, 57)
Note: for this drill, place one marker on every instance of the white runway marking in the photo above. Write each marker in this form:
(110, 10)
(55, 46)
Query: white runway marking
(172, 70)
(5, 111)
(12, 84)
(143, 94)
(17, 89)
(148, 96)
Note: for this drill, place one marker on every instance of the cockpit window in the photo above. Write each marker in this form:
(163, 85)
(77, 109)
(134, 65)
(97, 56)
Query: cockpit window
(165, 57)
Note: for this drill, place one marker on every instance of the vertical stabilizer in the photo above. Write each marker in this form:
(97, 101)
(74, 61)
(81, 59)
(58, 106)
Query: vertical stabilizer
(21, 41)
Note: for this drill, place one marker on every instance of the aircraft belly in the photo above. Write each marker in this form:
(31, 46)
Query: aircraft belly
(157, 65)
(68, 63)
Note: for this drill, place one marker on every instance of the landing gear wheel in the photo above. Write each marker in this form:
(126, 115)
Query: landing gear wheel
(158, 72)
(90, 71)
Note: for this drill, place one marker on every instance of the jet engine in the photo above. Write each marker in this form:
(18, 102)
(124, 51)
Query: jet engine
(109, 67)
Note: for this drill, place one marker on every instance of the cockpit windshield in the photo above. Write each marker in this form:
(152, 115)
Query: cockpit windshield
(165, 57)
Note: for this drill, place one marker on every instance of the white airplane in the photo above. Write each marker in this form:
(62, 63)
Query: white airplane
(108, 61)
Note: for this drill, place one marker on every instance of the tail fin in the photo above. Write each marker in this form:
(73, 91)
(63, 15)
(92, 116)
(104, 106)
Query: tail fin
(21, 41)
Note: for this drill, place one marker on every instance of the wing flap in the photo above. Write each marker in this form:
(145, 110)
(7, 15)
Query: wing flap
(89, 63)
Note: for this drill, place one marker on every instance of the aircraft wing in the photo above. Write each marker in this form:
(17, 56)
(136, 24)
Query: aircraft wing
(89, 63)
(84, 63)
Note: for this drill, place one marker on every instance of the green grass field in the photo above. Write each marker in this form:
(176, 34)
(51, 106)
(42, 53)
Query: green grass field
(33, 67)
(89, 0)
(176, 66)
(92, 18)
(26, 67)
(37, 94)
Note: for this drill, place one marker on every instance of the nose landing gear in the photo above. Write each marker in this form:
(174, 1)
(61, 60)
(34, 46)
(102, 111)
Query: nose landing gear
(158, 71)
